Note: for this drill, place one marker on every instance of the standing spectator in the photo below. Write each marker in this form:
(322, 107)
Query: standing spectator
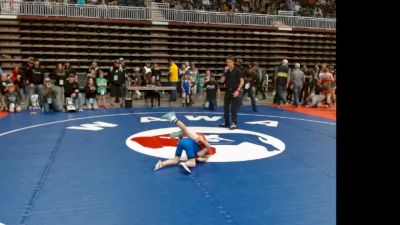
(49, 99)
(308, 74)
(297, 78)
(59, 77)
(233, 79)
(27, 72)
(250, 83)
(71, 90)
(185, 86)
(182, 71)
(91, 94)
(194, 74)
(156, 72)
(12, 99)
(147, 69)
(154, 93)
(315, 79)
(281, 82)
(173, 78)
(35, 81)
(4, 81)
(93, 67)
(69, 70)
(260, 80)
(116, 80)
(101, 89)
(213, 94)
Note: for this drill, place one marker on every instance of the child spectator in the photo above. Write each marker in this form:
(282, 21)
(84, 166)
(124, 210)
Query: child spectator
(185, 90)
(4, 81)
(212, 93)
(13, 99)
(101, 89)
(90, 92)
(17, 79)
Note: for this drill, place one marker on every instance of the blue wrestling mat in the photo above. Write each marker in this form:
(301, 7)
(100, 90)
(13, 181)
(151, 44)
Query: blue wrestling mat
(96, 167)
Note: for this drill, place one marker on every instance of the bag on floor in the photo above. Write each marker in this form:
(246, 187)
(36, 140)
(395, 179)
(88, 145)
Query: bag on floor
(34, 102)
(69, 105)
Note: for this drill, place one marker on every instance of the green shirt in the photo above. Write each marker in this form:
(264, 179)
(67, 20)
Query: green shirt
(101, 89)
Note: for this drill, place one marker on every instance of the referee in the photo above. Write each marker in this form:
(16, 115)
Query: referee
(233, 79)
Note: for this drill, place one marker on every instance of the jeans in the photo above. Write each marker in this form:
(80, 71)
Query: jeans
(36, 89)
(78, 101)
(251, 94)
(212, 103)
(173, 93)
(296, 95)
(55, 105)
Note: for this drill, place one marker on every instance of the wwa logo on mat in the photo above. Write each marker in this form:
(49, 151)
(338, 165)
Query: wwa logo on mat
(231, 145)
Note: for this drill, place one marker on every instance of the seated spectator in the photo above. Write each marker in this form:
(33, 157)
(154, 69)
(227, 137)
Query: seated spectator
(91, 94)
(12, 99)
(68, 69)
(93, 67)
(156, 72)
(71, 90)
(4, 81)
(80, 2)
(101, 83)
(153, 94)
(49, 100)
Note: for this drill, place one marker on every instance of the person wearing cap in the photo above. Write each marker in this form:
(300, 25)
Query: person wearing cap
(116, 80)
(71, 90)
(13, 99)
(297, 78)
(281, 82)
(49, 98)
(4, 81)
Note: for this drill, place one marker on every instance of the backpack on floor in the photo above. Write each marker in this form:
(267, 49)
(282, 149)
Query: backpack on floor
(69, 105)
(34, 102)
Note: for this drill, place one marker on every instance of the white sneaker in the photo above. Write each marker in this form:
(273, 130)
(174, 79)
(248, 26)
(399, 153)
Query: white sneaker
(158, 165)
(170, 116)
(185, 167)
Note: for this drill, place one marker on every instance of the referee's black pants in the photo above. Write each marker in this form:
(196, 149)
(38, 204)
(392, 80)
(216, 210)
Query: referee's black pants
(230, 103)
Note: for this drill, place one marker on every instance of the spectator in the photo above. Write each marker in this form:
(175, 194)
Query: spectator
(147, 72)
(281, 82)
(185, 86)
(308, 75)
(260, 80)
(233, 79)
(93, 68)
(59, 77)
(250, 83)
(91, 94)
(154, 94)
(1, 71)
(213, 94)
(173, 78)
(69, 70)
(71, 90)
(17, 79)
(35, 82)
(156, 72)
(194, 75)
(297, 78)
(182, 71)
(101, 83)
(80, 2)
(49, 99)
(116, 80)
(4, 81)
(12, 99)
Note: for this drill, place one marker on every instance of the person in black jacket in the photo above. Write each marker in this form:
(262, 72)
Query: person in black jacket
(34, 80)
(71, 90)
(116, 80)
(250, 84)
(91, 94)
